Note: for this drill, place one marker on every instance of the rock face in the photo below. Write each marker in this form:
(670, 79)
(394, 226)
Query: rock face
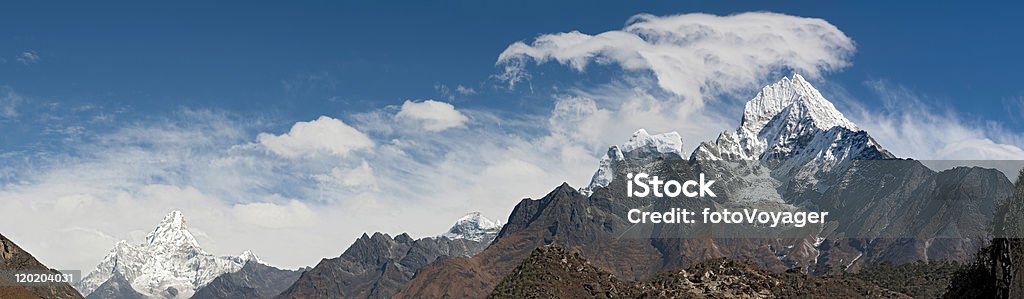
(793, 151)
(170, 264)
(997, 270)
(376, 266)
(13, 258)
(556, 272)
(254, 280)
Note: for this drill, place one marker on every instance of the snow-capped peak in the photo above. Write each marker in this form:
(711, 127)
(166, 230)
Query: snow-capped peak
(474, 226)
(788, 92)
(641, 146)
(791, 120)
(667, 143)
(172, 231)
(170, 259)
(250, 256)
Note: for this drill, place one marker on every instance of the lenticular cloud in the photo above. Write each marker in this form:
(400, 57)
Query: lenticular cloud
(694, 55)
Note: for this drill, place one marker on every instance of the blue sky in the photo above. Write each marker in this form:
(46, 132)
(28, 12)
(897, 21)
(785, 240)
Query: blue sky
(238, 56)
(127, 110)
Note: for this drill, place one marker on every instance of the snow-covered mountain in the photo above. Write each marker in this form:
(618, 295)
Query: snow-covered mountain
(641, 146)
(791, 120)
(170, 264)
(475, 227)
(787, 121)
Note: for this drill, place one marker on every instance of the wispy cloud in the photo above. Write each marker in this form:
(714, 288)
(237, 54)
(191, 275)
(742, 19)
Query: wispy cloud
(463, 90)
(9, 102)
(451, 94)
(911, 124)
(27, 57)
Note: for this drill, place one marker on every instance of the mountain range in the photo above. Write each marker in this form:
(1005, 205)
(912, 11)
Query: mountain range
(792, 151)
(171, 264)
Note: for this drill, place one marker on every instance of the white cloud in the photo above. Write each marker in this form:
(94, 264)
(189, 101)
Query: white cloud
(28, 57)
(323, 135)
(360, 178)
(694, 55)
(450, 94)
(465, 90)
(909, 126)
(432, 115)
(599, 117)
(293, 214)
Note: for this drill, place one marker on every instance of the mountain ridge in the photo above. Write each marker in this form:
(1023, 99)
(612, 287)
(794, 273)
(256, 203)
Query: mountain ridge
(379, 265)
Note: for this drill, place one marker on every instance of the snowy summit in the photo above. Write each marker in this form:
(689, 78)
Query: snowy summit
(169, 265)
(474, 226)
(786, 120)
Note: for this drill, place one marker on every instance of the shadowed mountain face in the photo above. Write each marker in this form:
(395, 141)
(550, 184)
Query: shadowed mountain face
(376, 266)
(254, 280)
(565, 216)
(13, 258)
(792, 152)
(556, 272)
(947, 211)
(115, 287)
(998, 269)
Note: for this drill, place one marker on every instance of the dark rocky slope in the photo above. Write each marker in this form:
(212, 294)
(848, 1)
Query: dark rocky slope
(254, 280)
(998, 269)
(948, 211)
(556, 272)
(115, 287)
(376, 266)
(13, 258)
